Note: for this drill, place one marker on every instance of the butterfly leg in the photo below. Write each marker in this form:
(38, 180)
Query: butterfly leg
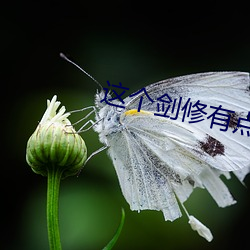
(92, 154)
(82, 128)
(86, 116)
(96, 152)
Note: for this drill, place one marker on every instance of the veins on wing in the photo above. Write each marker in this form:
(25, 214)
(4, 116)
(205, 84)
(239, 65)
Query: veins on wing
(160, 170)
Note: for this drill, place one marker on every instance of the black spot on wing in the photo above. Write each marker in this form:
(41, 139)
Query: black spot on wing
(212, 146)
(233, 120)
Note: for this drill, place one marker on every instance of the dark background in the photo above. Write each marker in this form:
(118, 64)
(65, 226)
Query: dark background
(135, 43)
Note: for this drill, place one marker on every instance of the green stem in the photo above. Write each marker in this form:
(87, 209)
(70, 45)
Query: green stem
(54, 177)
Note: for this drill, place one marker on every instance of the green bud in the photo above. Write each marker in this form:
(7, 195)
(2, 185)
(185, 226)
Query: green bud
(55, 144)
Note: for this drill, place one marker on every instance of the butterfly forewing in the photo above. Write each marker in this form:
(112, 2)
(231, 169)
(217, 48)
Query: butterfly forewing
(225, 150)
(209, 87)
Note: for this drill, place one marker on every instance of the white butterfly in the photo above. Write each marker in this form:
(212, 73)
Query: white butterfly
(159, 160)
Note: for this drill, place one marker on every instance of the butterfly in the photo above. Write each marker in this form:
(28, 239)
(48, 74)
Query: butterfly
(160, 158)
(159, 161)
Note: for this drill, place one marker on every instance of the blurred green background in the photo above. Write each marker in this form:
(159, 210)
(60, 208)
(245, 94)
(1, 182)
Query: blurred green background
(119, 41)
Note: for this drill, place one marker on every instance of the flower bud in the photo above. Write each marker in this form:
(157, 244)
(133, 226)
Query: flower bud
(55, 144)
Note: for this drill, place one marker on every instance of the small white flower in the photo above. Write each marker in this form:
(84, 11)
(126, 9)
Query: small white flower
(200, 228)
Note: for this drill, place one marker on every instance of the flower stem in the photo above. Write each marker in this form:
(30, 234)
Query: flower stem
(54, 177)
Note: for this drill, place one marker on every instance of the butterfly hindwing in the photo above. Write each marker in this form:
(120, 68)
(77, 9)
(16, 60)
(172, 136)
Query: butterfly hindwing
(176, 157)
(142, 184)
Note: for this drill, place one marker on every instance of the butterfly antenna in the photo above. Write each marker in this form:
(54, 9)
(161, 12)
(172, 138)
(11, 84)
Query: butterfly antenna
(68, 60)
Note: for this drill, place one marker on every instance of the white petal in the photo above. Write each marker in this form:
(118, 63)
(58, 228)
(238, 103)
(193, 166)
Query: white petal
(51, 114)
(50, 109)
(200, 228)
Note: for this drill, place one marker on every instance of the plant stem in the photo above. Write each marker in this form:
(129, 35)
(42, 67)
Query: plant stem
(54, 177)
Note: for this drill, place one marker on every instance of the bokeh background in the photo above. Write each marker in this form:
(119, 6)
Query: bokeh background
(135, 43)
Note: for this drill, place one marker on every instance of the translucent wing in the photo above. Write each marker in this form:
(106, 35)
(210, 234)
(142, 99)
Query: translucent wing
(158, 158)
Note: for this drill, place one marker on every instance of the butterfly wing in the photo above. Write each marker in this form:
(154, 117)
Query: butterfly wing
(216, 88)
(141, 184)
(225, 150)
(157, 158)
